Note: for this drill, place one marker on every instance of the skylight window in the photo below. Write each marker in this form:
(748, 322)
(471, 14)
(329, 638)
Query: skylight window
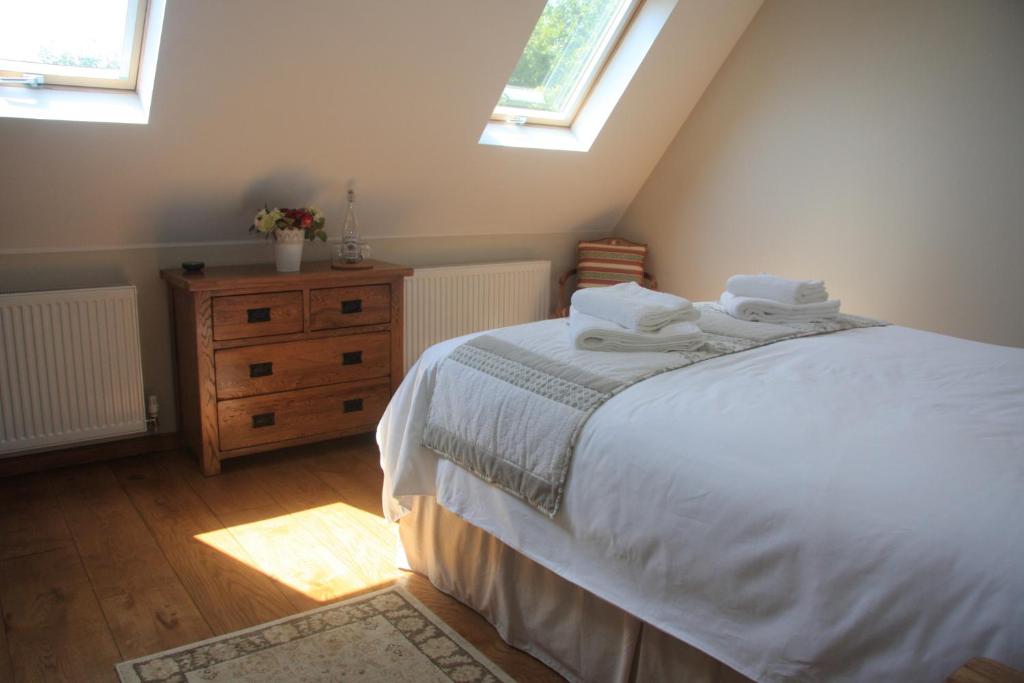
(566, 52)
(72, 42)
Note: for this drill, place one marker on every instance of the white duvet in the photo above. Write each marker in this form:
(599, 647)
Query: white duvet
(842, 507)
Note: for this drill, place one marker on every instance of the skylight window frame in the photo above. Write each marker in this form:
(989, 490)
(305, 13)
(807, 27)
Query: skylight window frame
(584, 87)
(55, 74)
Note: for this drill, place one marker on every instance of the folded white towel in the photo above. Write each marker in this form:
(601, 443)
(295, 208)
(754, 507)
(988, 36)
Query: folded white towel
(778, 289)
(590, 333)
(768, 311)
(634, 307)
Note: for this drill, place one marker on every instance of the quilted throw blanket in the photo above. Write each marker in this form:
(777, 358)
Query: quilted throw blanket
(509, 405)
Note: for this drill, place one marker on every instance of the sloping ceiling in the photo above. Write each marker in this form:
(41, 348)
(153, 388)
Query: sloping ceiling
(287, 102)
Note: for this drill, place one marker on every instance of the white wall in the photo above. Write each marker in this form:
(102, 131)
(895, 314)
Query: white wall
(285, 102)
(59, 270)
(878, 144)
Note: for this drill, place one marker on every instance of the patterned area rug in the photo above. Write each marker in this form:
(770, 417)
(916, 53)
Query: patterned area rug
(383, 636)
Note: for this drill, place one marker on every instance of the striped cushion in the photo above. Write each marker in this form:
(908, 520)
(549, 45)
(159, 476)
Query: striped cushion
(602, 264)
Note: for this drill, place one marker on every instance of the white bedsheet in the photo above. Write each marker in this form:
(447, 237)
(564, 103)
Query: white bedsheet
(843, 507)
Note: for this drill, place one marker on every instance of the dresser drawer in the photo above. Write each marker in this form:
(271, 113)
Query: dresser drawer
(348, 306)
(256, 315)
(245, 422)
(300, 364)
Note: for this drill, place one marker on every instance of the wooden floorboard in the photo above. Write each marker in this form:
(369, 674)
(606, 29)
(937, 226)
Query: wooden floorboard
(217, 573)
(277, 545)
(354, 472)
(31, 520)
(145, 604)
(56, 630)
(361, 541)
(114, 560)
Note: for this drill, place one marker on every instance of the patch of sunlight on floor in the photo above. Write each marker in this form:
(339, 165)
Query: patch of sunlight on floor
(324, 552)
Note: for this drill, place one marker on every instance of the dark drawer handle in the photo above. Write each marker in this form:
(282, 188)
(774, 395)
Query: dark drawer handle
(262, 420)
(352, 358)
(261, 369)
(352, 306)
(353, 405)
(258, 315)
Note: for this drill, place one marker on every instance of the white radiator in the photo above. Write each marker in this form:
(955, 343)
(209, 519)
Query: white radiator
(70, 368)
(448, 301)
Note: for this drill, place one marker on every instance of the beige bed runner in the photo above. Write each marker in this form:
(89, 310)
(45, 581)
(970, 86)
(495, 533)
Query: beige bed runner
(509, 405)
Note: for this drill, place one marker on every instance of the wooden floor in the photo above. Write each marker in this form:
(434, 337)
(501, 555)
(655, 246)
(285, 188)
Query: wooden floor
(115, 560)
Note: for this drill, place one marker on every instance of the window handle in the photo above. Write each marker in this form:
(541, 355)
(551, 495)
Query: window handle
(31, 80)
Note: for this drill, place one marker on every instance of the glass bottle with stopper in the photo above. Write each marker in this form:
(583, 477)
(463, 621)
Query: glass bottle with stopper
(350, 252)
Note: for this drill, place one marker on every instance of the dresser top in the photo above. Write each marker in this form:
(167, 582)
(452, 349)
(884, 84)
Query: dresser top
(266, 275)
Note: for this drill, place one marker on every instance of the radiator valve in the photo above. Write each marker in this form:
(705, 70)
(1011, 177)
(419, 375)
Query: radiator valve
(152, 412)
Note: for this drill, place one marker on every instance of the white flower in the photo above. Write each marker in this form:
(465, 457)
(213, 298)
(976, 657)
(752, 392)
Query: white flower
(266, 221)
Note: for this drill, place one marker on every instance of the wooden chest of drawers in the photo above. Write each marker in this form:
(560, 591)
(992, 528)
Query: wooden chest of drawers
(267, 360)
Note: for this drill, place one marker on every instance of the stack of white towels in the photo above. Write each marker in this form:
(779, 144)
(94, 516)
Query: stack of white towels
(772, 299)
(627, 317)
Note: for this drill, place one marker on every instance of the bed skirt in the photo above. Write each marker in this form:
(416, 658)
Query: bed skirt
(577, 634)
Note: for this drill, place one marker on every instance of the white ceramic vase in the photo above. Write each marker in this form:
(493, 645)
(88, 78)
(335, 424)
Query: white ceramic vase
(288, 250)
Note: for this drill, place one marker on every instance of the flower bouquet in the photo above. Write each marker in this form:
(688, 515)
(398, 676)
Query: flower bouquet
(290, 229)
(274, 222)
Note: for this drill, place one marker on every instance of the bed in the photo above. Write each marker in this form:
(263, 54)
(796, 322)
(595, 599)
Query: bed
(834, 507)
